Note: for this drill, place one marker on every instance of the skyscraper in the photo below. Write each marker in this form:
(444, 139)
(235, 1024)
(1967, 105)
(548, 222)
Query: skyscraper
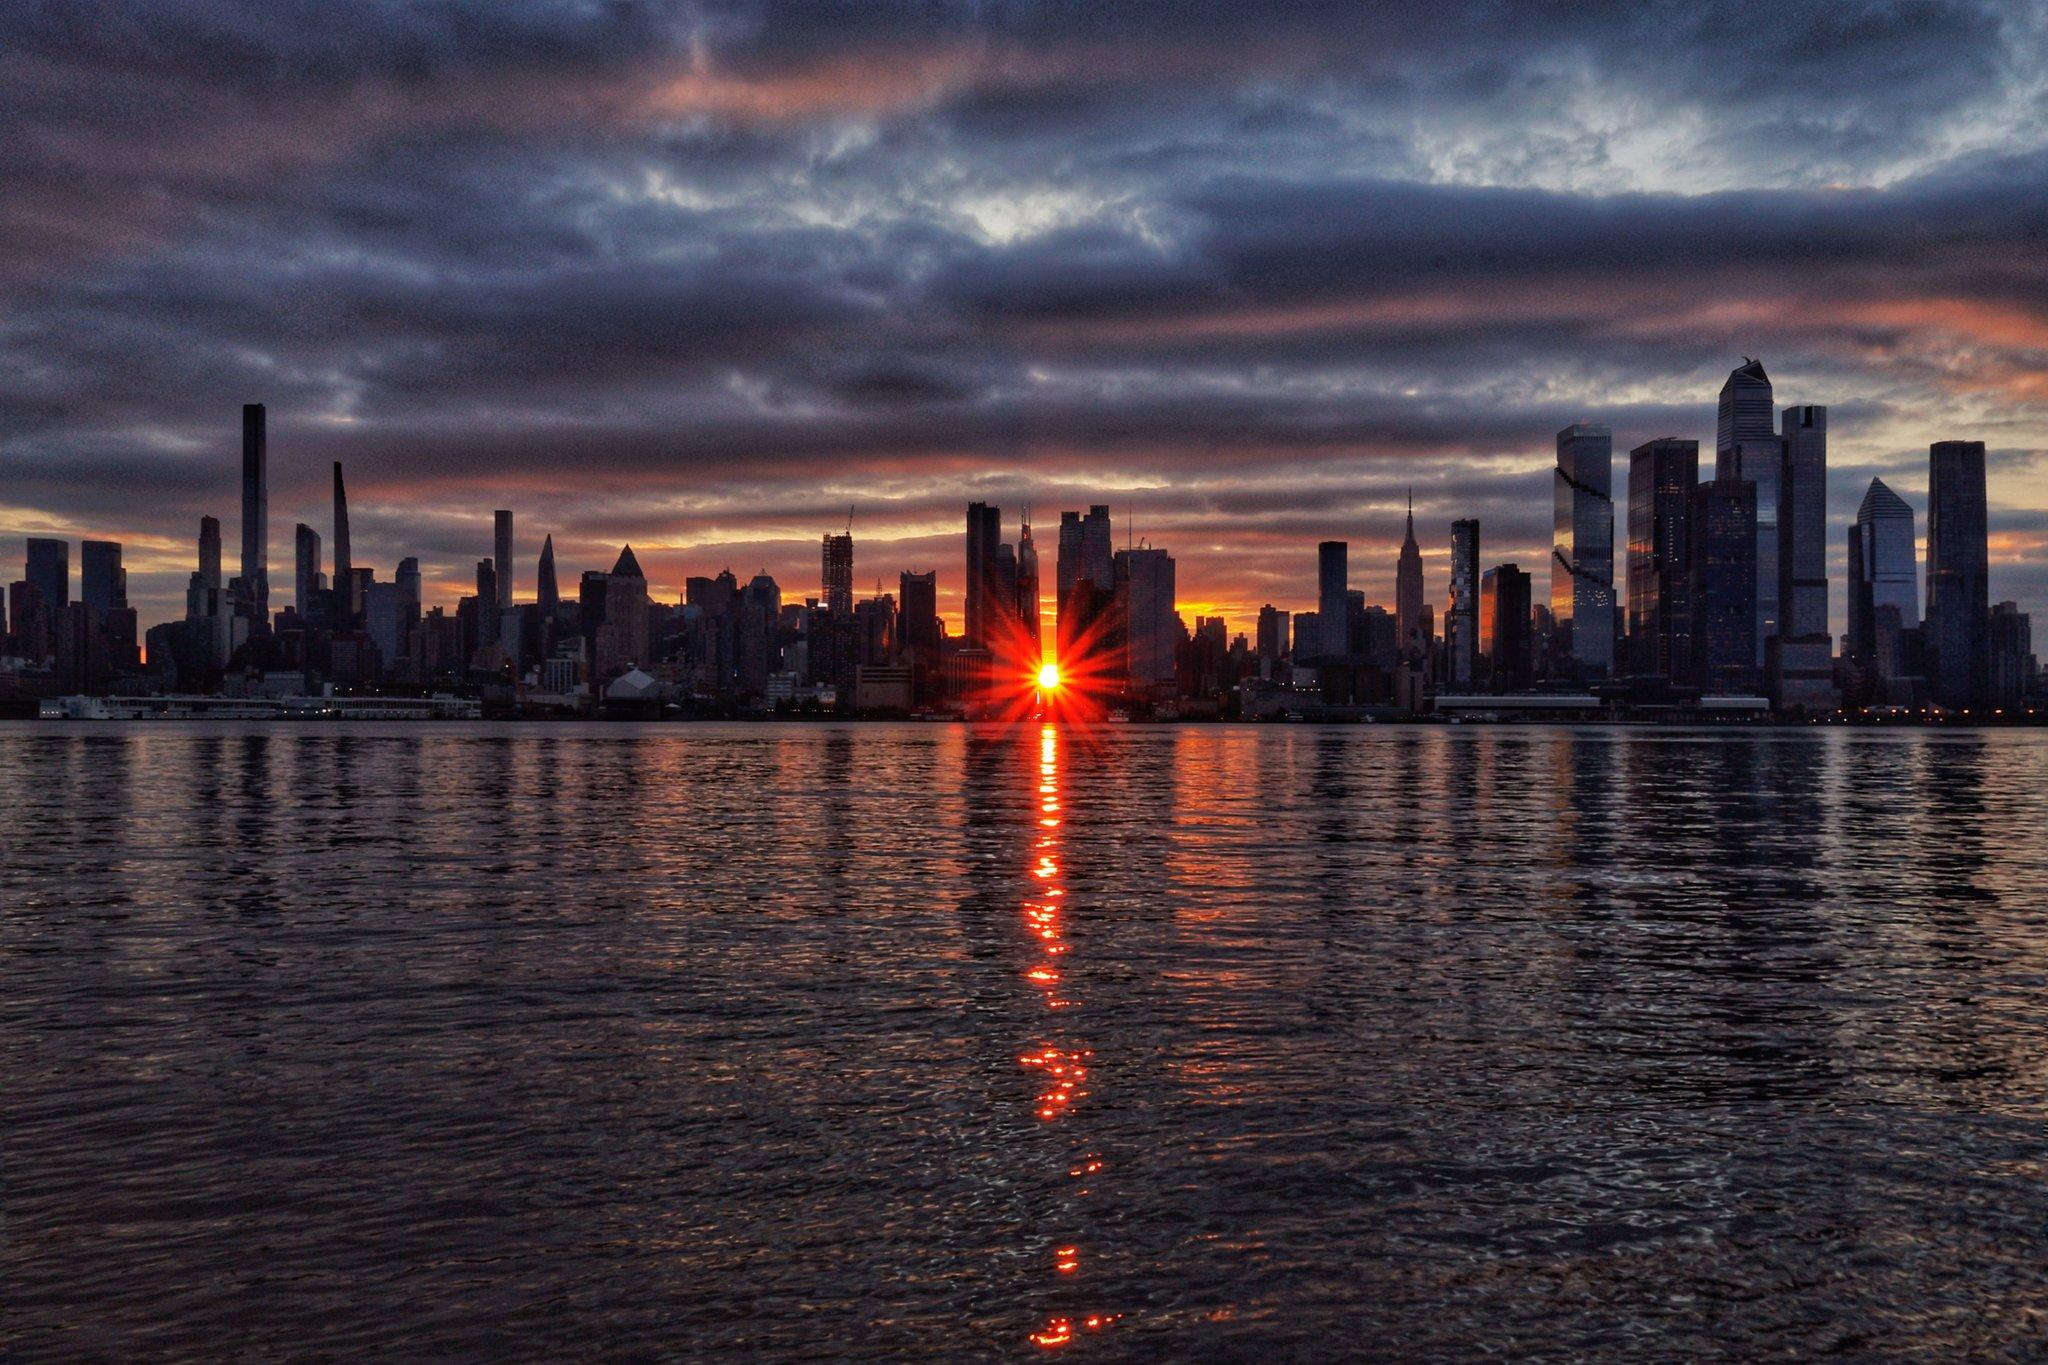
(488, 615)
(1802, 670)
(984, 534)
(2013, 665)
(346, 608)
(1084, 556)
(1272, 634)
(48, 571)
(255, 515)
(547, 591)
(1408, 595)
(919, 594)
(1723, 589)
(1461, 617)
(1582, 548)
(1747, 446)
(1152, 626)
(1661, 477)
(1504, 601)
(837, 574)
(1884, 571)
(1958, 573)
(1027, 594)
(1333, 604)
(209, 553)
(102, 582)
(501, 556)
(305, 569)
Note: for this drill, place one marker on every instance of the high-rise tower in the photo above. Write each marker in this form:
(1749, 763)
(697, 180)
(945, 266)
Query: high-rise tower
(1884, 572)
(1802, 668)
(1333, 601)
(501, 557)
(346, 608)
(547, 590)
(305, 569)
(1661, 477)
(1582, 548)
(1027, 594)
(1958, 573)
(1747, 447)
(1461, 617)
(837, 574)
(984, 534)
(1408, 595)
(255, 516)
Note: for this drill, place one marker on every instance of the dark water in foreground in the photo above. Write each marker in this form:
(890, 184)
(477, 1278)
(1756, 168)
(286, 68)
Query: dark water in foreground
(560, 1041)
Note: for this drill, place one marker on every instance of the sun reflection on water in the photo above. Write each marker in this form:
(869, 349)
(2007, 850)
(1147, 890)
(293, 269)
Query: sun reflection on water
(1059, 1065)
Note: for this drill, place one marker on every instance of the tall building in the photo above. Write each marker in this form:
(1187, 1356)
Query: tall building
(102, 582)
(1958, 574)
(1152, 627)
(1408, 596)
(1582, 548)
(501, 557)
(305, 569)
(1661, 477)
(346, 607)
(1504, 602)
(984, 534)
(1084, 556)
(1333, 604)
(1027, 595)
(2013, 665)
(209, 553)
(919, 619)
(48, 571)
(1802, 666)
(1272, 634)
(488, 614)
(1461, 616)
(547, 589)
(1884, 571)
(255, 515)
(1723, 590)
(1747, 446)
(837, 574)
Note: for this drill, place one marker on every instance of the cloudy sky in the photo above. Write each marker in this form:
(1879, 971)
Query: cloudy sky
(701, 277)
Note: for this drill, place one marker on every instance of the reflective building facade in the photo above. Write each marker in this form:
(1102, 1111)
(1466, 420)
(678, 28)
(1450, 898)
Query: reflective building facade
(1582, 548)
(1958, 574)
(1747, 447)
(1661, 477)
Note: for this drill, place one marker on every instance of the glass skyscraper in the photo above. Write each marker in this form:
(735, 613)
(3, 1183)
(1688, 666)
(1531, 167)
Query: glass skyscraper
(1661, 478)
(1582, 548)
(1958, 573)
(1747, 447)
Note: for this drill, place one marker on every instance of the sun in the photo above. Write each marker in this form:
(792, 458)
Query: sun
(1048, 677)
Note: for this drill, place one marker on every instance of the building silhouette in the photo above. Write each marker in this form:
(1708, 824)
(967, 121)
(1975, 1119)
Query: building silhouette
(1722, 593)
(1802, 663)
(1958, 574)
(1504, 629)
(1333, 606)
(1408, 592)
(1582, 606)
(984, 534)
(1884, 572)
(347, 607)
(102, 582)
(501, 558)
(1661, 477)
(255, 516)
(547, 591)
(48, 571)
(1461, 616)
(1151, 625)
(836, 572)
(306, 570)
(1747, 446)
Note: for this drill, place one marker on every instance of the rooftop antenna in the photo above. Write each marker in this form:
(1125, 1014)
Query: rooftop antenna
(849, 518)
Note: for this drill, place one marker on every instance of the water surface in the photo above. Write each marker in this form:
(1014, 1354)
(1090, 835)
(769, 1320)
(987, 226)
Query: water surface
(550, 1041)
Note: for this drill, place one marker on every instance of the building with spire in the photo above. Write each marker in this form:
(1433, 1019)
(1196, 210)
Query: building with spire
(1408, 594)
(547, 589)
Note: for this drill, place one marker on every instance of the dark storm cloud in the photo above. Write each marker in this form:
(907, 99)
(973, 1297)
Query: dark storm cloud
(699, 275)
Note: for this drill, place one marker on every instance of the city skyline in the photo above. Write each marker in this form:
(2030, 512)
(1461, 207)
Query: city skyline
(699, 282)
